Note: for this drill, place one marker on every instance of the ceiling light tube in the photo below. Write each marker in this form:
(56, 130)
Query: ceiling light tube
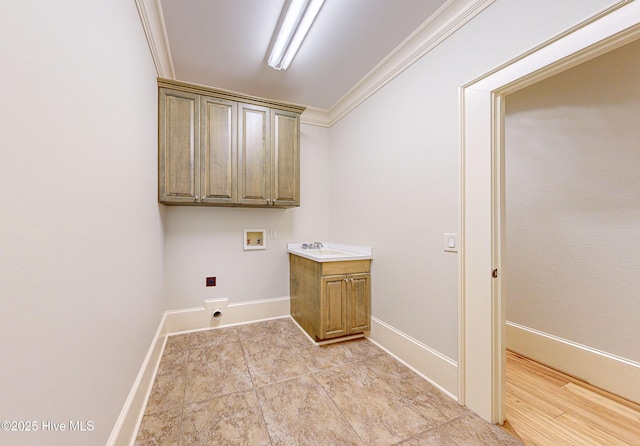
(297, 21)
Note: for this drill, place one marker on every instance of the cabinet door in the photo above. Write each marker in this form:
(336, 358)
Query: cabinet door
(333, 307)
(285, 156)
(254, 173)
(359, 290)
(179, 141)
(218, 150)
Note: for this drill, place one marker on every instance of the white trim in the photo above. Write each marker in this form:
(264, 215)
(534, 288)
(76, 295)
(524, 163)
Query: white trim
(150, 12)
(178, 321)
(449, 18)
(444, 22)
(315, 116)
(481, 307)
(604, 370)
(232, 314)
(126, 427)
(256, 310)
(431, 365)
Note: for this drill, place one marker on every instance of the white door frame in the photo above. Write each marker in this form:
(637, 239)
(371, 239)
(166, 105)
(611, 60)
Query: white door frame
(481, 365)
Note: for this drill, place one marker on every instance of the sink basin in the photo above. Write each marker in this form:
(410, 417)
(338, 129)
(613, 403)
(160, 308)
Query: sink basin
(331, 252)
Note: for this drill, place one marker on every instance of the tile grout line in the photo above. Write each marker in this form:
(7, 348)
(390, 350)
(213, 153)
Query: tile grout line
(336, 406)
(413, 408)
(255, 390)
(354, 355)
(419, 434)
(184, 393)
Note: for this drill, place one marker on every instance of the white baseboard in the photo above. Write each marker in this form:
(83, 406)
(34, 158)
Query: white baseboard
(178, 321)
(126, 427)
(433, 366)
(609, 372)
(200, 318)
(436, 368)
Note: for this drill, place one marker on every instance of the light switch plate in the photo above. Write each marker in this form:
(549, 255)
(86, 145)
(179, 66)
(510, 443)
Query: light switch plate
(450, 242)
(273, 233)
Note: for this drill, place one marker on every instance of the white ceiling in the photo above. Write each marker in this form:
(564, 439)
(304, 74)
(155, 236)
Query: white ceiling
(224, 44)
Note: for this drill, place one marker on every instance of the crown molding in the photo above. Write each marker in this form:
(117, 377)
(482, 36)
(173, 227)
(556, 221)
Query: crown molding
(315, 116)
(448, 19)
(444, 22)
(152, 19)
(229, 95)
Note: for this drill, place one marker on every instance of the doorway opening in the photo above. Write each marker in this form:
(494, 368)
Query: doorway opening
(482, 359)
(571, 163)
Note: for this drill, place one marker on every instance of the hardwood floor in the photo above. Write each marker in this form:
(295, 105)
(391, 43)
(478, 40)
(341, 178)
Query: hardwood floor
(547, 407)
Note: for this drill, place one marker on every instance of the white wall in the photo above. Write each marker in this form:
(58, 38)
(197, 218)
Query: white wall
(80, 231)
(395, 166)
(208, 241)
(573, 204)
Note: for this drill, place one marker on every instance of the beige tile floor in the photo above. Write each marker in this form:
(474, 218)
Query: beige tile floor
(267, 384)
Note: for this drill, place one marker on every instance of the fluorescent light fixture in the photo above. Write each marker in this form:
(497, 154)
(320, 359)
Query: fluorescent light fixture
(294, 28)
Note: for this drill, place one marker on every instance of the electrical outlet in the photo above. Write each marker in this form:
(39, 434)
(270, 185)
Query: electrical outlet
(274, 233)
(211, 281)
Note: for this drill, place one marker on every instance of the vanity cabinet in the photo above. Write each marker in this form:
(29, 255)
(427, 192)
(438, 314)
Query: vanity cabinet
(219, 148)
(330, 299)
(344, 305)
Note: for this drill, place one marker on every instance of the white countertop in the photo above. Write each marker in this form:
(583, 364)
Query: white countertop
(331, 252)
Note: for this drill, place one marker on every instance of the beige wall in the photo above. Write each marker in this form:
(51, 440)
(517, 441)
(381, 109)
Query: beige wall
(386, 176)
(82, 240)
(573, 204)
(395, 167)
(80, 231)
(203, 242)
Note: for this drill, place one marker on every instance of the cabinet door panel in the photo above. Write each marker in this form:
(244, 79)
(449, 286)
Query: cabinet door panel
(334, 307)
(179, 163)
(218, 150)
(359, 302)
(286, 158)
(254, 174)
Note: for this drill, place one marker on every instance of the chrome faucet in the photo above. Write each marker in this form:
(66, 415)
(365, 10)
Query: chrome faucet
(312, 245)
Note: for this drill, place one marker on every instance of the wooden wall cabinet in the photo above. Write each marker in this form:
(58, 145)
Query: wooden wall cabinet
(219, 148)
(330, 299)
